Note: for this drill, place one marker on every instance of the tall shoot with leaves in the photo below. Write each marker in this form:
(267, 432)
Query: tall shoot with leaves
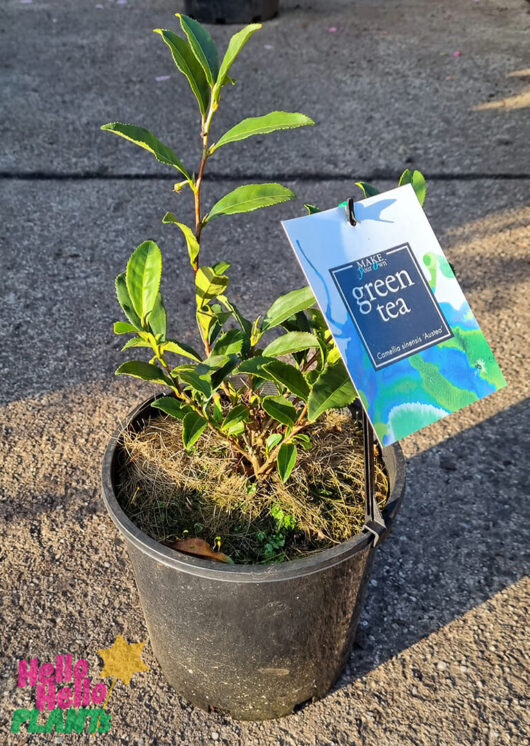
(223, 390)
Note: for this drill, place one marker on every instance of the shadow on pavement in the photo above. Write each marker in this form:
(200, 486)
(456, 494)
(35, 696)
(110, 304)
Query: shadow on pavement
(461, 537)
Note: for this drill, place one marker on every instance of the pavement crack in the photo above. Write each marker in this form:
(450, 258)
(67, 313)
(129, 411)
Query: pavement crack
(251, 176)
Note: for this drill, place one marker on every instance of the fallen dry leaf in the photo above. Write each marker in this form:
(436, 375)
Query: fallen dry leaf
(198, 548)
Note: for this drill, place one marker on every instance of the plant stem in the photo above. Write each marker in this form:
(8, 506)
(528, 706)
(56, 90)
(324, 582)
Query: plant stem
(198, 184)
(311, 361)
(234, 445)
(205, 132)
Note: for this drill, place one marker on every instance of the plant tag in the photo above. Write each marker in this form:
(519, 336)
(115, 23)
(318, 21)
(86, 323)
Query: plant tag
(401, 322)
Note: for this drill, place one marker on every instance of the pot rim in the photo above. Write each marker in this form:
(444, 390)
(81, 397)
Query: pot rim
(394, 462)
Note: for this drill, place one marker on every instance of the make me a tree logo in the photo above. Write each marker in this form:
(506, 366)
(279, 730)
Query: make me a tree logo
(67, 694)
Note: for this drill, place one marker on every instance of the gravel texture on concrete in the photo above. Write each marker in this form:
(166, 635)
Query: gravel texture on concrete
(441, 657)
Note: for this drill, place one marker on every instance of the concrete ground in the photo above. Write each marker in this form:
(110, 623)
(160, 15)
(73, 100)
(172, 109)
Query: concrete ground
(441, 658)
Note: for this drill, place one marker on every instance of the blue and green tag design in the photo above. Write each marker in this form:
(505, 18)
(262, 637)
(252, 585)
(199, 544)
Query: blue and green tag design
(403, 326)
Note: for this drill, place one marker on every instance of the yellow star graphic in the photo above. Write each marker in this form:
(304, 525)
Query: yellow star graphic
(123, 660)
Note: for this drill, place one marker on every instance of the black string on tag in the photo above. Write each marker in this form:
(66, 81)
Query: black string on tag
(350, 212)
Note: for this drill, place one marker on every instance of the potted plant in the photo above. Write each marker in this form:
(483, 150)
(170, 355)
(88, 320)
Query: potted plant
(239, 489)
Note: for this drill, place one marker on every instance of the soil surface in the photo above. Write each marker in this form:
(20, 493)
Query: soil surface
(441, 658)
(173, 495)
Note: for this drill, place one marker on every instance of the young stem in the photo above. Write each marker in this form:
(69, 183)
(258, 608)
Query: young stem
(310, 361)
(205, 131)
(198, 184)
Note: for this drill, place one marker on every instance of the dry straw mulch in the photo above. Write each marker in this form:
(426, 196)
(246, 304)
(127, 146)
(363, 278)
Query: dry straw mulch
(171, 494)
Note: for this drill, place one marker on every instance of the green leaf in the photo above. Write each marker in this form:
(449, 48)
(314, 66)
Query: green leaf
(254, 367)
(281, 409)
(135, 342)
(216, 368)
(145, 371)
(202, 45)
(250, 197)
(289, 376)
(197, 382)
(230, 343)
(255, 332)
(237, 415)
(312, 209)
(193, 425)
(189, 235)
(147, 140)
(236, 429)
(221, 316)
(405, 178)
(221, 267)
(122, 327)
(276, 120)
(289, 343)
(188, 64)
(244, 323)
(297, 323)
(144, 270)
(217, 410)
(171, 406)
(212, 362)
(272, 441)
(332, 389)
(283, 520)
(420, 186)
(304, 440)
(180, 348)
(286, 460)
(219, 375)
(312, 375)
(334, 354)
(235, 45)
(158, 318)
(209, 284)
(215, 331)
(324, 350)
(207, 322)
(287, 305)
(367, 189)
(317, 320)
(177, 370)
(125, 302)
(417, 180)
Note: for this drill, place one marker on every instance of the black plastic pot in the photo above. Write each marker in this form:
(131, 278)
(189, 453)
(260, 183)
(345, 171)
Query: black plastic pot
(253, 641)
(231, 11)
